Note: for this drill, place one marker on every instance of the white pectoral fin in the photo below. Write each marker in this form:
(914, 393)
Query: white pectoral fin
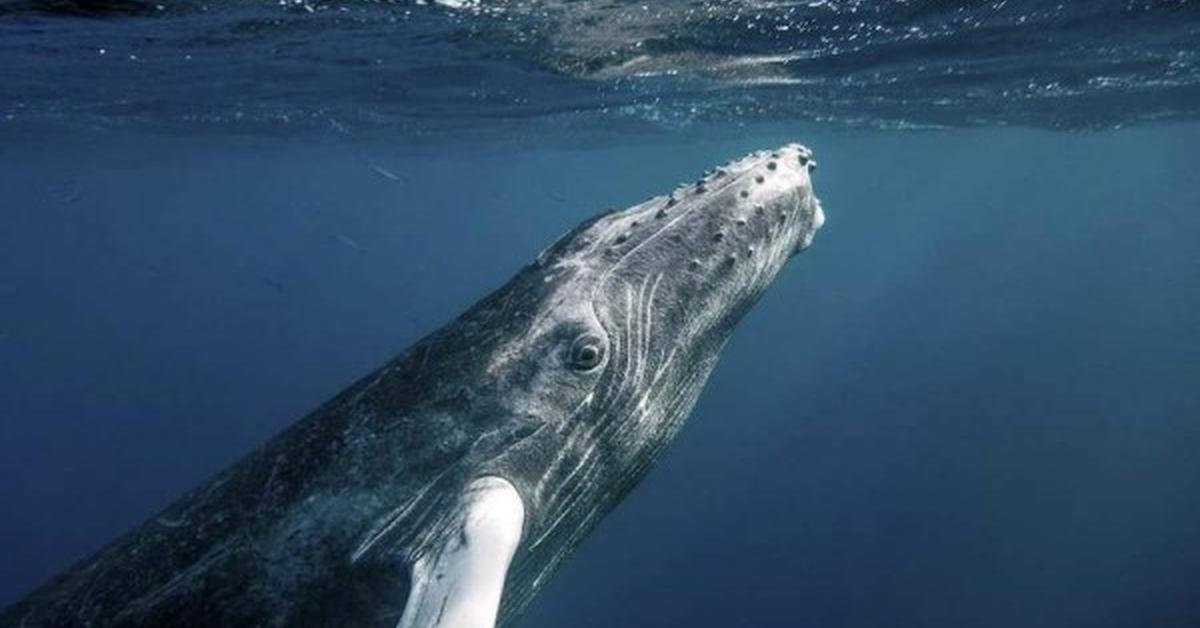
(459, 584)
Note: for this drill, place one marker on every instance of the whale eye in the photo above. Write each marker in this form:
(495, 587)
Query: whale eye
(586, 353)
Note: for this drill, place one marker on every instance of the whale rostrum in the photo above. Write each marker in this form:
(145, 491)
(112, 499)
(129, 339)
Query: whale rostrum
(445, 487)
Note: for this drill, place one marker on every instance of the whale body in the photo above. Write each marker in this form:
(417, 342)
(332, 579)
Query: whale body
(445, 487)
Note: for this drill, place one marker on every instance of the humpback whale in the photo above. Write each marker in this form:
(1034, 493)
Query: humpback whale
(444, 488)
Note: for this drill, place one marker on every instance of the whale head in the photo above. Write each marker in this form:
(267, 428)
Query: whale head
(622, 322)
(639, 301)
(571, 379)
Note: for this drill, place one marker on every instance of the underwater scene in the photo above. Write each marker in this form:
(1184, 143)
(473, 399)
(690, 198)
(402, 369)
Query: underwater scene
(593, 313)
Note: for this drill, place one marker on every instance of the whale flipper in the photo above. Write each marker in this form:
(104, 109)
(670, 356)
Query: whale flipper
(460, 583)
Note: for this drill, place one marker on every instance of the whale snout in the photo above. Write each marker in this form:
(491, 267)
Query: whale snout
(772, 201)
(810, 215)
(752, 212)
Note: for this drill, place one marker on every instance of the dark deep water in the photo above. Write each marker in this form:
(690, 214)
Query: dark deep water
(973, 402)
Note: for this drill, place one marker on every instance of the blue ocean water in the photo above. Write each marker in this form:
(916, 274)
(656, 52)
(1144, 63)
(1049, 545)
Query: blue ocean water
(972, 402)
